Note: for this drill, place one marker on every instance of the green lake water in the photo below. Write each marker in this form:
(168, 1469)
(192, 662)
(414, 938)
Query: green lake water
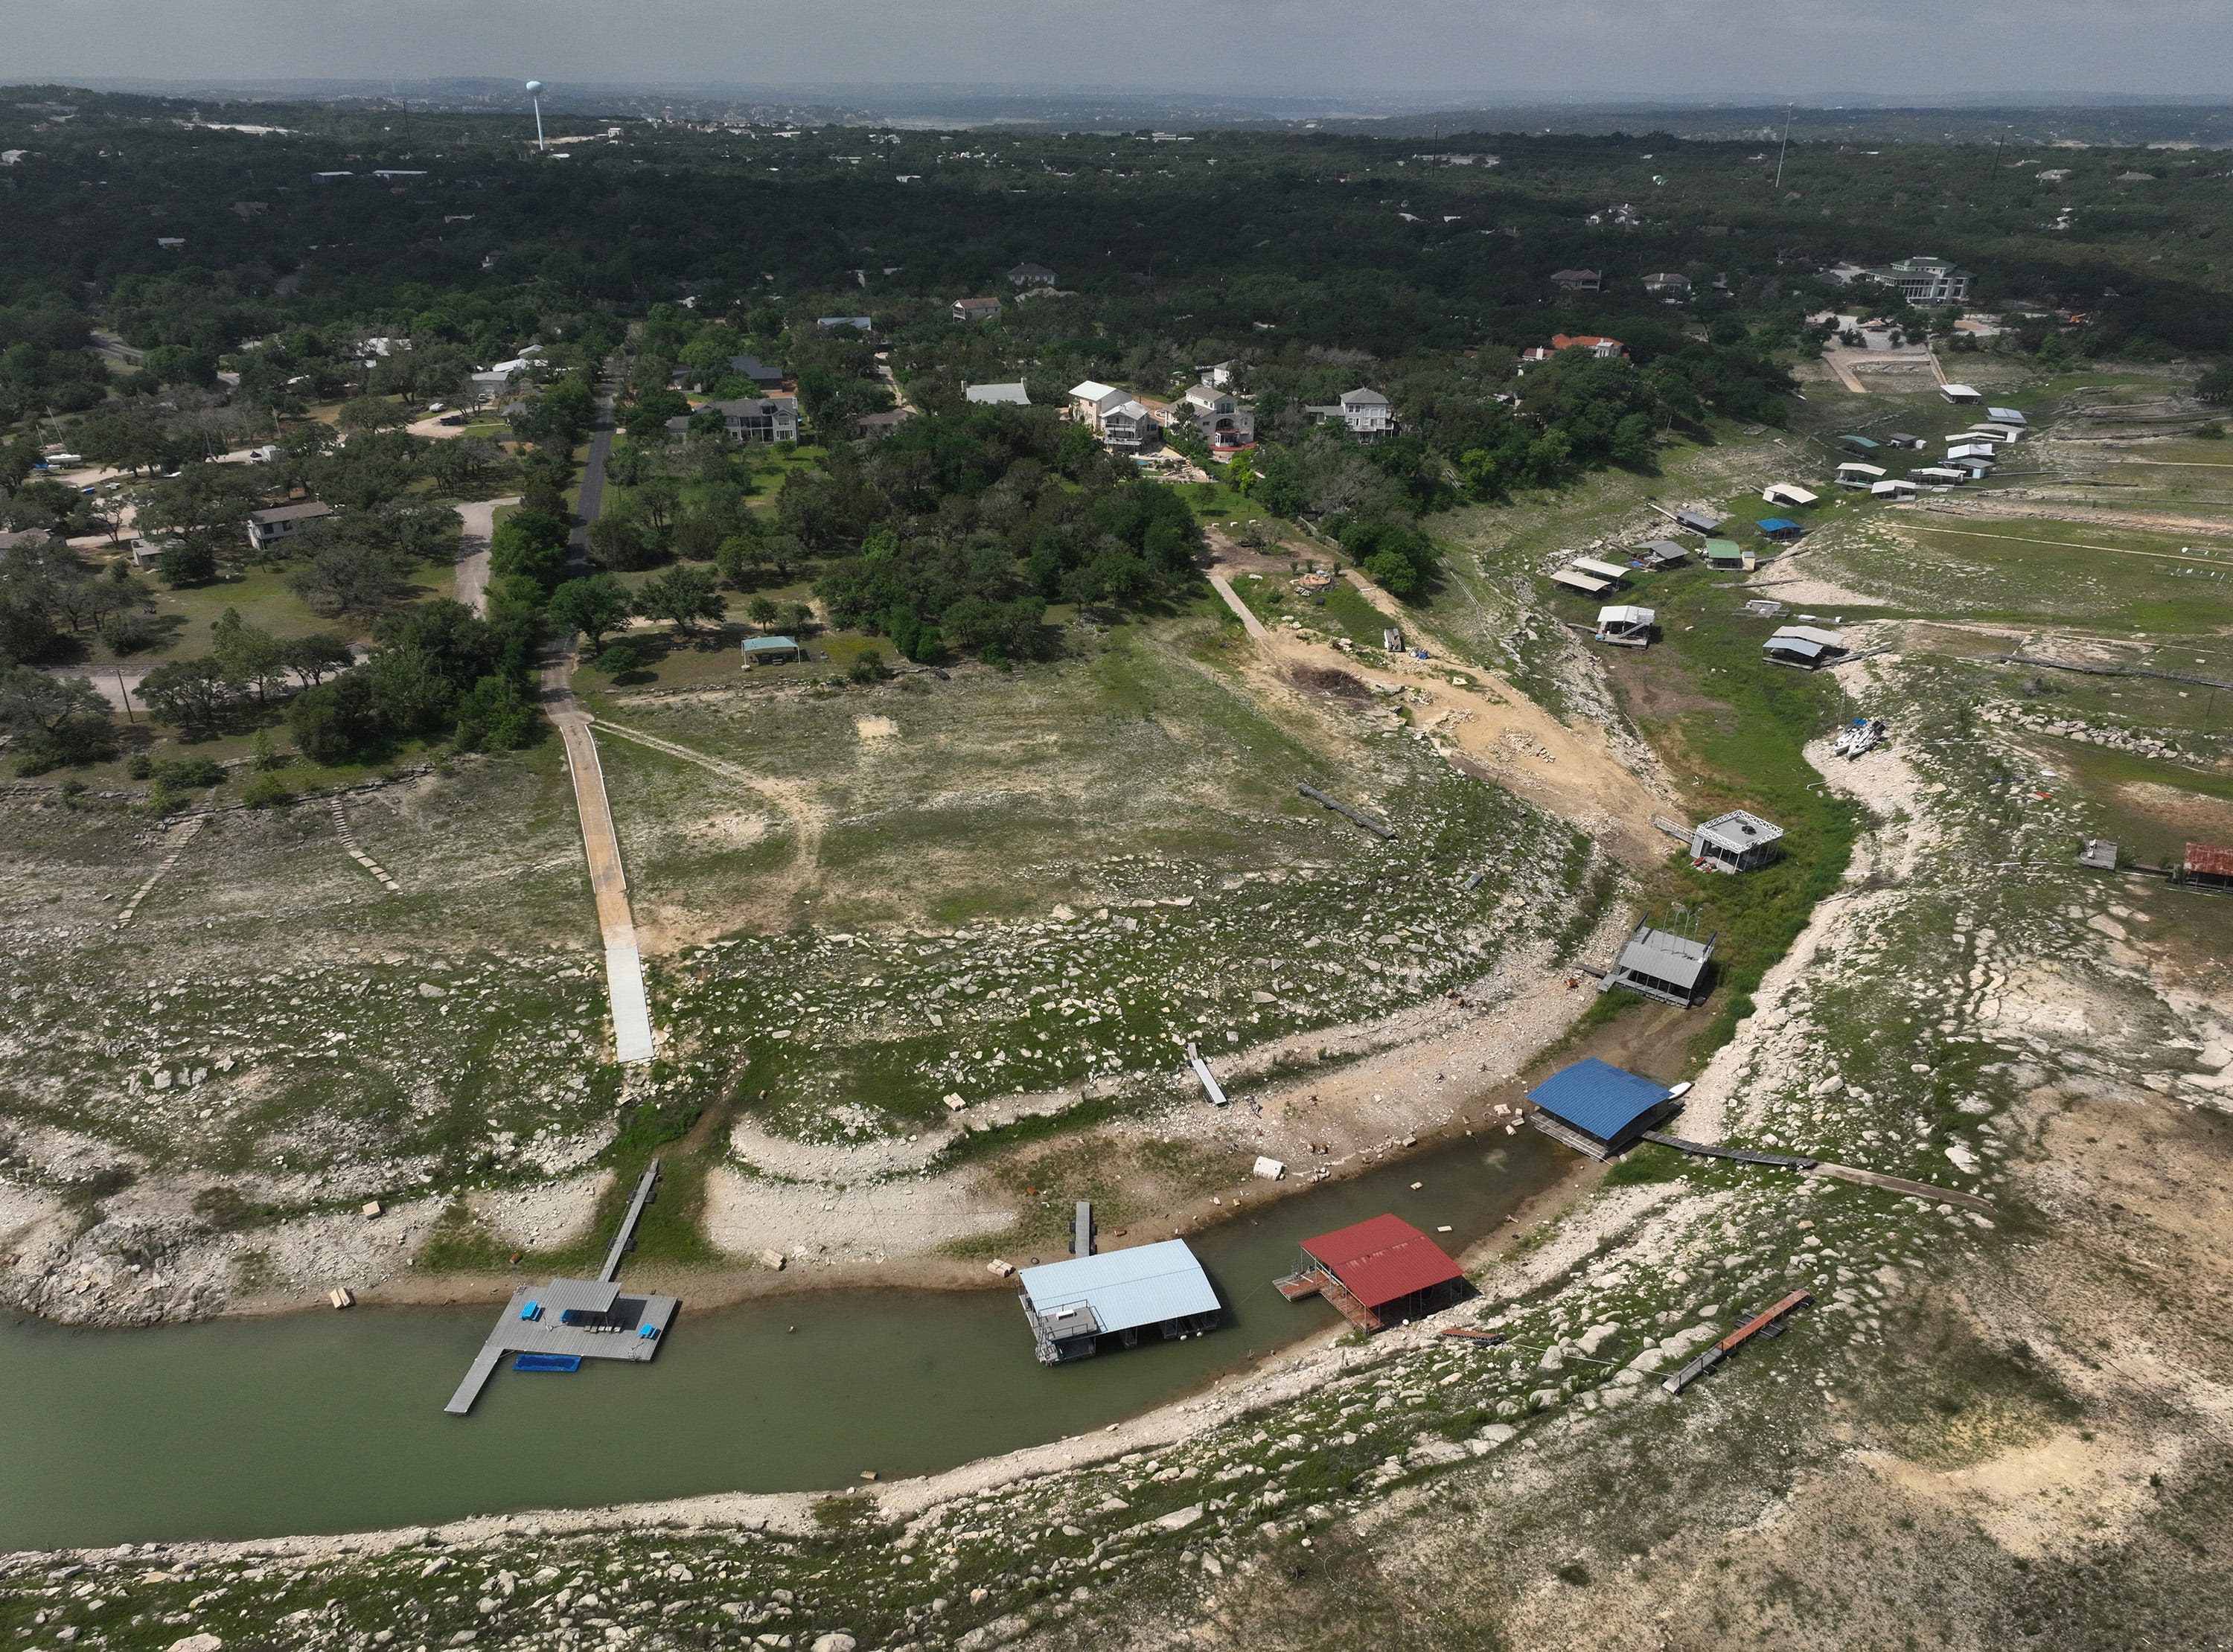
(317, 1423)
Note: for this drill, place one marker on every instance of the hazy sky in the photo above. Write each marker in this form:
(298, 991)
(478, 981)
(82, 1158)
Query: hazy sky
(1629, 49)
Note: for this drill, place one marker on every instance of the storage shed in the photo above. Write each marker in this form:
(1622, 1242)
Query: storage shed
(1662, 964)
(1072, 1305)
(1598, 1109)
(1377, 1270)
(1737, 842)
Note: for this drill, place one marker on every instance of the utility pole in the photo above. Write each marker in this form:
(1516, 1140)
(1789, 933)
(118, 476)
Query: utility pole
(1780, 152)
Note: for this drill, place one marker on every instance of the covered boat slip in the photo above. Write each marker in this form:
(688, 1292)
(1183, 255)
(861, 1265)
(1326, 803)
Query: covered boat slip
(1625, 625)
(1588, 584)
(1072, 1305)
(1598, 1109)
(1374, 1271)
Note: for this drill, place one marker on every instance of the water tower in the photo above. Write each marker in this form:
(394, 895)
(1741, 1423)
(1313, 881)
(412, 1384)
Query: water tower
(535, 92)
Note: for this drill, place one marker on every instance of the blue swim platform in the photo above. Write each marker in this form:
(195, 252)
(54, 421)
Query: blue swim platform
(547, 1362)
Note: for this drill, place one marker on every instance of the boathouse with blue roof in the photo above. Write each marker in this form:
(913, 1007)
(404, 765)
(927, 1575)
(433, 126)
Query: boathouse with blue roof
(1597, 1108)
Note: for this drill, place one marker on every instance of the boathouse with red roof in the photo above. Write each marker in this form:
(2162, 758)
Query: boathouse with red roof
(1377, 1273)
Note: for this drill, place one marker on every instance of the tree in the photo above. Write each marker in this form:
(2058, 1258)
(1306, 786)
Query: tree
(647, 420)
(366, 415)
(531, 544)
(334, 721)
(683, 595)
(2217, 385)
(619, 541)
(55, 719)
(494, 715)
(590, 607)
(193, 695)
(252, 659)
(317, 656)
(761, 611)
(354, 576)
(187, 561)
(206, 507)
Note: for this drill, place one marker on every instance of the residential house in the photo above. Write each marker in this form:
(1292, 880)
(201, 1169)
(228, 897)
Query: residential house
(763, 376)
(1917, 280)
(1605, 349)
(858, 323)
(269, 528)
(1364, 412)
(976, 309)
(869, 427)
(1128, 427)
(1667, 284)
(1092, 400)
(750, 418)
(1577, 281)
(1217, 416)
(1011, 395)
(1031, 274)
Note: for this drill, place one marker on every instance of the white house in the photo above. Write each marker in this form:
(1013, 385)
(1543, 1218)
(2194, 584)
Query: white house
(1012, 395)
(1219, 417)
(1031, 274)
(750, 418)
(1092, 400)
(1128, 427)
(267, 527)
(1364, 412)
(976, 309)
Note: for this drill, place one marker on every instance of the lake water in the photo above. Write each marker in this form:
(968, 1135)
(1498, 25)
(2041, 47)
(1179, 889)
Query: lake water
(314, 1422)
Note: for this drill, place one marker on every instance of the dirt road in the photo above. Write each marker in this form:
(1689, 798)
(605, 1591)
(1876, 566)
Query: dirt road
(1492, 730)
(470, 584)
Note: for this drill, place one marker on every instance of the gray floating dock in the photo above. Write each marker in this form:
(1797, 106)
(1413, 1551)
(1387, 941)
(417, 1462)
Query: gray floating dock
(615, 1330)
(579, 1319)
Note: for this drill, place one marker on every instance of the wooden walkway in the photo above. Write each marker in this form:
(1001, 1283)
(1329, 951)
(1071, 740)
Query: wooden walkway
(1902, 1184)
(624, 1241)
(1740, 1155)
(1317, 1282)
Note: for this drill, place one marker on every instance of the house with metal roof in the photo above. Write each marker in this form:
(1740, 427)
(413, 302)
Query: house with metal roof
(772, 651)
(1737, 842)
(267, 527)
(763, 376)
(1598, 1109)
(1805, 646)
(1011, 395)
(1362, 411)
(1375, 1271)
(1626, 626)
(1662, 964)
(1072, 1305)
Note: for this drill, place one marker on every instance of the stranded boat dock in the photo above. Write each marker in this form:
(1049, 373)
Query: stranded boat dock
(555, 1327)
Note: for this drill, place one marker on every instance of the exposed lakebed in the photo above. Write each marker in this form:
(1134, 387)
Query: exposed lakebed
(329, 1423)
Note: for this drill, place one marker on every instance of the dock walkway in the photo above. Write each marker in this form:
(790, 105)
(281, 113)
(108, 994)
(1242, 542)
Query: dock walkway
(1319, 1282)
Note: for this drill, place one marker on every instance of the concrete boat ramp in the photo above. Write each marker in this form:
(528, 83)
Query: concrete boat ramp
(576, 1319)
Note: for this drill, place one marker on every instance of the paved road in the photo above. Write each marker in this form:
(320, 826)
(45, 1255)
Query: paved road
(471, 584)
(1249, 622)
(624, 988)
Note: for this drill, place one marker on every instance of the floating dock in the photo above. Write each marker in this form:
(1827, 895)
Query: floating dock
(555, 1327)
